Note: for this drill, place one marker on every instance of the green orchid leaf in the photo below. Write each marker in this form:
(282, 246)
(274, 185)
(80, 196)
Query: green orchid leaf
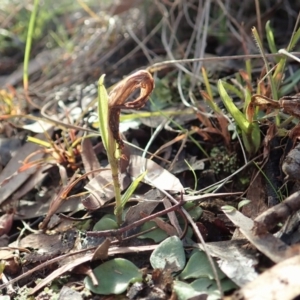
(185, 291)
(238, 116)
(106, 223)
(169, 254)
(157, 234)
(103, 111)
(199, 266)
(113, 277)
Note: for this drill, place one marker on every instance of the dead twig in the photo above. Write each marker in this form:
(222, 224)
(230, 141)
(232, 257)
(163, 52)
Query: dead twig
(118, 232)
(280, 212)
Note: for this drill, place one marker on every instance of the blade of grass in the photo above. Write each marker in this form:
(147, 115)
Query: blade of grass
(270, 38)
(261, 50)
(194, 174)
(40, 142)
(278, 193)
(29, 43)
(249, 69)
(232, 88)
(293, 41)
(130, 190)
(290, 83)
(211, 103)
(295, 36)
(183, 130)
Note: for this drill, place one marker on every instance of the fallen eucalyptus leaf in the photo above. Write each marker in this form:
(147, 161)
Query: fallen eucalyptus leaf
(237, 262)
(156, 175)
(264, 241)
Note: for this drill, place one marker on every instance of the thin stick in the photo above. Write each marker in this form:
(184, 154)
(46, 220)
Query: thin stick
(161, 65)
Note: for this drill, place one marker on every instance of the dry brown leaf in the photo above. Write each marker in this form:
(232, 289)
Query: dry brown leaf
(205, 95)
(32, 182)
(167, 228)
(166, 145)
(209, 128)
(237, 262)
(278, 283)
(101, 186)
(89, 158)
(10, 178)
(264, 241)
(247, 79)
(290, 105)
(271, 132)
(67, 293)
(102, 190)
(256, 193)
(6, 222)
(204, 117)
(172, 217)
(133, 214)
(294, 133)
(223, 124)
(60, 198)
(102, 250)
(46, 243)
(30, 209)
(67, 267)
(158, 176)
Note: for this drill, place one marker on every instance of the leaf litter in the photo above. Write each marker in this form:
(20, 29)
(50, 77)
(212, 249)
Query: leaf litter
(182, 235)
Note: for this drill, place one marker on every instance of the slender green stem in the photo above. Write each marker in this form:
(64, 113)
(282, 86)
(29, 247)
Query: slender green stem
(109, 145)
(114, 164)
(29, 43)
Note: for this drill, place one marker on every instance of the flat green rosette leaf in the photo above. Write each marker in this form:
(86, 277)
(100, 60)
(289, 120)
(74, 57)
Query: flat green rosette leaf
(169, 254)
(210, 287)
(157, 235)
(184, 290)
(113, 276)
(199, 266)
(107, 222)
